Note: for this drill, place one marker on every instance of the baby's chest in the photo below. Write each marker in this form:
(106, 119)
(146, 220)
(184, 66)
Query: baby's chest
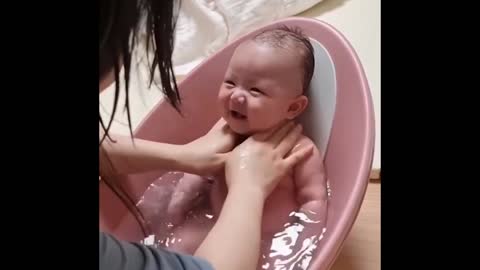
(286, 183)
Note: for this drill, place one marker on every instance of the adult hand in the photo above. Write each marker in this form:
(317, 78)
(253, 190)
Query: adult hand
(207, 154)
(264, 159)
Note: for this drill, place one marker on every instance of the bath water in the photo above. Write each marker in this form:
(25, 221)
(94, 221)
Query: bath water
(290, 248)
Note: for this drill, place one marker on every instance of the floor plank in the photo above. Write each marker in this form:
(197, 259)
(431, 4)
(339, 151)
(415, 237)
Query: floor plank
(362, 247)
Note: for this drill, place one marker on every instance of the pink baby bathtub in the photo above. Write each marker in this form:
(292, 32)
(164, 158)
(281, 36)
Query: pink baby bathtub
(340, 120)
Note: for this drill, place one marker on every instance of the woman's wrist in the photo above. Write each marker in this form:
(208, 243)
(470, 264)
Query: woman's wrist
(247, 191)
(187, 158)
(182, 158)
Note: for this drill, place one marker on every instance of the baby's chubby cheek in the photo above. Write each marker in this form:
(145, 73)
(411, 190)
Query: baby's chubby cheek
(222, 106)
(261, 119)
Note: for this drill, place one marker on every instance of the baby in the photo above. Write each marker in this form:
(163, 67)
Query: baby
(264, 86)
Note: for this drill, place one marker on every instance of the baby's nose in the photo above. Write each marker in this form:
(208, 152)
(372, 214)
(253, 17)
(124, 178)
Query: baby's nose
(238, 98)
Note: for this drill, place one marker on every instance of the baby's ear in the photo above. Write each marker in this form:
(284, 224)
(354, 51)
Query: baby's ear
(297, 106)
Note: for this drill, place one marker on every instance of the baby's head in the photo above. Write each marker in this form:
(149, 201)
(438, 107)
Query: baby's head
(266, 79)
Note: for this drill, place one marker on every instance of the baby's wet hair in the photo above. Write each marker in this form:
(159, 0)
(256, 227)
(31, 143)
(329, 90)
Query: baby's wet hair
(286, 37)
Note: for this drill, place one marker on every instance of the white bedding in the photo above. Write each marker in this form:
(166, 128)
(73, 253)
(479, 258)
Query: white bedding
(204, 26)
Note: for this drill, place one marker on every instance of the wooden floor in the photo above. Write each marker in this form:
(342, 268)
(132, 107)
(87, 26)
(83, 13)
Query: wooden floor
(362, 247)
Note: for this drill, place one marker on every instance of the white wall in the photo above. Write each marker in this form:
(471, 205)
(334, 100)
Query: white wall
(359, 21)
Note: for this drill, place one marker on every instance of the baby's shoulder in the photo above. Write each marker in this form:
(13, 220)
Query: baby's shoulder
(305, 141)
(315, 160)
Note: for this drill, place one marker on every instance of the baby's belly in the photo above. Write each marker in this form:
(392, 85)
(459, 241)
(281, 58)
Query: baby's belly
(277, 208)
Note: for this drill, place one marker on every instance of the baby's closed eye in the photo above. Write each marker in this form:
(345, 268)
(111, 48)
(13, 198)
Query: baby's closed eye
(229, 83)
(256, 91)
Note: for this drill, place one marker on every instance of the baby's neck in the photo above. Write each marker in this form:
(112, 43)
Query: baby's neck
(241, 139)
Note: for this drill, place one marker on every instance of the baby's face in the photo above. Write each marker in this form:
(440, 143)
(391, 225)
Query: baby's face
(262, 88)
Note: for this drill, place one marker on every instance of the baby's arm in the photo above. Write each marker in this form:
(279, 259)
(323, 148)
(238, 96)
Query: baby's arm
(311, 185)
(186, 192)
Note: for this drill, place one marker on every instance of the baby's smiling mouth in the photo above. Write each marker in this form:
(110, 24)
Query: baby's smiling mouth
(237, 115)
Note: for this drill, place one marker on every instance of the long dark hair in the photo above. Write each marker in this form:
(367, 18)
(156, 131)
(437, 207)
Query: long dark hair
(120, 24)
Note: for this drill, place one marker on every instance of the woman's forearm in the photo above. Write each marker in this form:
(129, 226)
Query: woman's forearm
(126, 157)
(234, 241)
(252, 171)
(205, 155)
